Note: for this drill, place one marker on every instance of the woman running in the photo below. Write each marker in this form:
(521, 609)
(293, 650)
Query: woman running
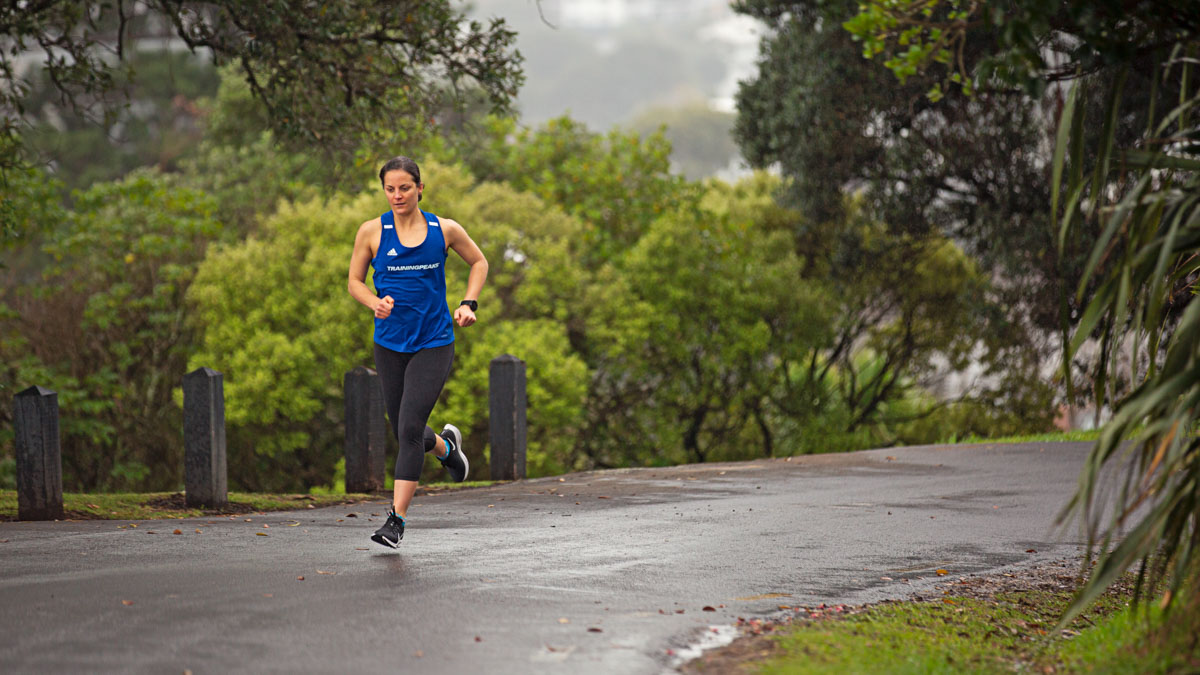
(414, 339)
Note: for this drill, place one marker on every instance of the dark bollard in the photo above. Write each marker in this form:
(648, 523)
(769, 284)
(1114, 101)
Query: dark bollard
(204, 473)
(39, 455)
(366, 431)
(506, 428)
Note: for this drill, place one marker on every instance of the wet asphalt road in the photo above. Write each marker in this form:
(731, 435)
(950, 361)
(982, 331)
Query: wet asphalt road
(603, 572)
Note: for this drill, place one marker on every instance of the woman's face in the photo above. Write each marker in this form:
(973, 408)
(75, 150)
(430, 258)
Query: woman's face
(402, 191)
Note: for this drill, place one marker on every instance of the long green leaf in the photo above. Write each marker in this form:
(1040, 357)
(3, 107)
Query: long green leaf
(1060, 149)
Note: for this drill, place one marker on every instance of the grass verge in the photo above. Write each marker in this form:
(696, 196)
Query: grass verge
(1011, 630)
(1049, 437)
(165, 505)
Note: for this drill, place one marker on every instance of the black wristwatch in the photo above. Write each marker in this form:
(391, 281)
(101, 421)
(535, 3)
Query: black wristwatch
(473, 304)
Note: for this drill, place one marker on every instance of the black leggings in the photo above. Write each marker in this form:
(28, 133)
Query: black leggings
(411, 386)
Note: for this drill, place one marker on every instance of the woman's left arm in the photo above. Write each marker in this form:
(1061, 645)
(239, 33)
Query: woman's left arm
(458, 239)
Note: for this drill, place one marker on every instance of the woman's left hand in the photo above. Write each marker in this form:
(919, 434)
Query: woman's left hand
(463, 316)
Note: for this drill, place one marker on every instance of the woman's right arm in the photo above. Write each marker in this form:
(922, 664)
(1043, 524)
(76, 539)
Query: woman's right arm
(360, 259)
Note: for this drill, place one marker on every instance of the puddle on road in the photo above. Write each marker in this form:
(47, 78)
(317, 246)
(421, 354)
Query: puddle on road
(712, 638)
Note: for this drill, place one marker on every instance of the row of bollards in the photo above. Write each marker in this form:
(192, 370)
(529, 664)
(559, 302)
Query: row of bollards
(39, 455)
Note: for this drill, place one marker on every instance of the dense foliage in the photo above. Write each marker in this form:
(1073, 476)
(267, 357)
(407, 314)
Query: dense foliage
(1139, 196)
(325, 73)
(663, 320)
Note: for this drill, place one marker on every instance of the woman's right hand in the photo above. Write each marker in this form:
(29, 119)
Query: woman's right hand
(383, 308)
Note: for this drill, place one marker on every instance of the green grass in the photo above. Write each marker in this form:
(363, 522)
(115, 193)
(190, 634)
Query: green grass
(1013, 633)
(1050, 437)
(163, 505)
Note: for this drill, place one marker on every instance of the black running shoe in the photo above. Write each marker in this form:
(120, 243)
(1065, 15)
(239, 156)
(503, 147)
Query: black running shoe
(456, 461)
(391, 532)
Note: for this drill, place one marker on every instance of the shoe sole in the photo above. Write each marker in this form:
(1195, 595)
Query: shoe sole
(384, 540)
(458, 448)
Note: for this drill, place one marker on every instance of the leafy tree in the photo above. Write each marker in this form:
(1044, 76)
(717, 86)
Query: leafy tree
(326, 73)
(698, 332)
(161, 123)
(617, 183)
(105, 326)
(1140, 197)
(284, 332)
(970, 168)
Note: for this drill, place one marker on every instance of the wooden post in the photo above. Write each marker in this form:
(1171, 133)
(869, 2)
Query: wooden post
(506, 426)
(204, 474)
(39, 454)
(366, 431)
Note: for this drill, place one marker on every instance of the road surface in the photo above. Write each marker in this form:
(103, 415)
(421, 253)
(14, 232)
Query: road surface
(599, 572)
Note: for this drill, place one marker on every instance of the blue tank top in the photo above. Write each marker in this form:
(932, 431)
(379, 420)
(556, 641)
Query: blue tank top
(416, 279)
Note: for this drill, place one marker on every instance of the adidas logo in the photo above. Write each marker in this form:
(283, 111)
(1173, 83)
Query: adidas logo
(392, 252)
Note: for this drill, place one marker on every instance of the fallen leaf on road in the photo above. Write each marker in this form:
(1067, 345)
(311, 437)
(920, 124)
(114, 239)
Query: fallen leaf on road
(491, 506)
(300, 578)
(1031, 550)
(419, 654)
(361, 548)
(177, 532)
(603, 497)
(564, 620)
(785, 607)
(351, 515)
(151, 532)
(268, 595)
(311, 506)
(593, 629)
(324, 572)
(890, 458)
(266, 526)
(295, 524)
(133, 524)
(562, 480)
(885, 578)
(262, 534)
(709, 608)
(478, 639)
(127, 602)
(197, 530)
(942, 573)
(679, 611)
(948, 601)
(3, 541)
(247, 520)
